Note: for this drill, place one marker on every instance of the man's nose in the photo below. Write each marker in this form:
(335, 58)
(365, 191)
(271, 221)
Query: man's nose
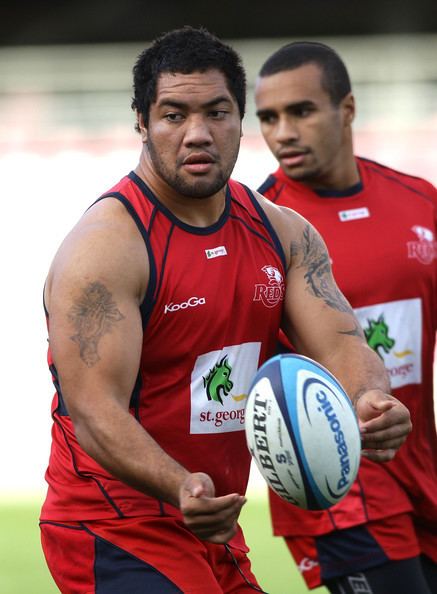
(197, 131)
(287, 130)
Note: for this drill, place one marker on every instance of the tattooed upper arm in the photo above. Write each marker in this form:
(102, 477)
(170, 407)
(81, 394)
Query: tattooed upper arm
(310, 254)
(93, 315)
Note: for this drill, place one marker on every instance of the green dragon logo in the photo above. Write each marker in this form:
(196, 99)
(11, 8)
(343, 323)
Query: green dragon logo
(217, 380)
(377, 335)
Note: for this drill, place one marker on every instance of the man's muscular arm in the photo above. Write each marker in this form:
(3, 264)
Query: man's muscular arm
(93, 293)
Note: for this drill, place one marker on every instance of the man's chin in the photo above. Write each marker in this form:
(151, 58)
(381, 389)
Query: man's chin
(200, 189)
(299, 174)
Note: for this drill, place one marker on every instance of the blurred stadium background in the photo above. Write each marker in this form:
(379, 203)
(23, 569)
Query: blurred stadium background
(67, 134)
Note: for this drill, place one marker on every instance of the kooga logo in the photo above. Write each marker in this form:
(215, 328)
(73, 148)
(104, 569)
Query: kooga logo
(191, 302)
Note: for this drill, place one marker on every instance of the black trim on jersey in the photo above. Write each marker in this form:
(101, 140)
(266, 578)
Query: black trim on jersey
(252, 230)
(387, 174)
(332, 518)
(185, 226)
(395, 179)
(164, 259)
(252, 216)
(355, 189)
(86, 475)
(272, 180)
(267, 184)
(110, 558)
(241, 572)
(134, 403)
(147, 303)
(60, 525)
(364, 503)
(152, 220)
(61, 409)
(363, 498)
(268, 226)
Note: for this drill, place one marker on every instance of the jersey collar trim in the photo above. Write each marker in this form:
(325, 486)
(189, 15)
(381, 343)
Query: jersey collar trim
(189, 228)
(348, 192)
(355, 189)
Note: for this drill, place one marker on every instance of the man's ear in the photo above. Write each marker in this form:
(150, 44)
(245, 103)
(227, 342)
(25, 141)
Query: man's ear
(348, 108)
(142, 127)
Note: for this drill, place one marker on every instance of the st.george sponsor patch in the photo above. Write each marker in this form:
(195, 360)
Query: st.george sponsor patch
(220, 382)
(216, 252)
(394, 331)
(353, 214)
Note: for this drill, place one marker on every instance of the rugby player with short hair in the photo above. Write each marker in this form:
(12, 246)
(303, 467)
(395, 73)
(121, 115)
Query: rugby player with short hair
(380, 226)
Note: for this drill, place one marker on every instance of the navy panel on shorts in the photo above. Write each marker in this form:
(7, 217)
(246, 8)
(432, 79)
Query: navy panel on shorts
(117, 571)
(347, 551)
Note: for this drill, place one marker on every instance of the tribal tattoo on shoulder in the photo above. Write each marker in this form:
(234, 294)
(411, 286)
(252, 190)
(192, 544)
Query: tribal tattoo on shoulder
(93, 314)
(314, 258)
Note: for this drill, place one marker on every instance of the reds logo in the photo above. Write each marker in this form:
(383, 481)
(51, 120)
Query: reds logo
(273, 292)
(424, 250)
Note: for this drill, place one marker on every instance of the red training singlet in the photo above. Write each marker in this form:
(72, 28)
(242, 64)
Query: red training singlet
(381, 235)
(210, 318)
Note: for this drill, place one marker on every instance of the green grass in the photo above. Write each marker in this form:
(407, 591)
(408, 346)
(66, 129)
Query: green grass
(23, 569)
(271, 561)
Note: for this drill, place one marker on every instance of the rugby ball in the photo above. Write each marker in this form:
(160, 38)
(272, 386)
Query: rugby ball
(302, 431)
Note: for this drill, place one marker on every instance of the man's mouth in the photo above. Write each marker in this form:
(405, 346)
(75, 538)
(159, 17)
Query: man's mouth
(198, 162)
(291, 158)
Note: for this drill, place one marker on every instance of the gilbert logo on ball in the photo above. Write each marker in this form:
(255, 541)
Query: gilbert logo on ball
(302, 431)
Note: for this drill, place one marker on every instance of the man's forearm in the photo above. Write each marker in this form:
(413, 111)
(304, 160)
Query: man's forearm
(358, 368)
(121, 445)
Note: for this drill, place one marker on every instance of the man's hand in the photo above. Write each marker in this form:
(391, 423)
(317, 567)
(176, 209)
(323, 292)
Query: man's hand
(210, 518)
(384, 424)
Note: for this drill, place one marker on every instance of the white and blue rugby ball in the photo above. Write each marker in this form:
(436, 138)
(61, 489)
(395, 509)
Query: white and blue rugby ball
(302, 431)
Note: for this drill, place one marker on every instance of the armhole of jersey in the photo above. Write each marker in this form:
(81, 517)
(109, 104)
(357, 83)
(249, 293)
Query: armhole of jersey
(268, 225)
(147, 303)
(267, 184)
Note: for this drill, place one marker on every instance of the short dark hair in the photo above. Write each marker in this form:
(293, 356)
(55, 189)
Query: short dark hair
(184, 51)
(335, 77)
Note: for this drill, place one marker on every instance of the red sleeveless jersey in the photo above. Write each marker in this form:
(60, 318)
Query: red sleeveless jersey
(381, 235)
(210, 317)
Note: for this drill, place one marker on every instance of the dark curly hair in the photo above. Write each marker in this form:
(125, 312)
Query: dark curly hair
(335, 77)
(184, 51)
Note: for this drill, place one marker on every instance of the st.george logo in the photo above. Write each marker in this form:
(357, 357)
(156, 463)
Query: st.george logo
(378, 338)
(217, 382)
(271, 293)
(377, 335)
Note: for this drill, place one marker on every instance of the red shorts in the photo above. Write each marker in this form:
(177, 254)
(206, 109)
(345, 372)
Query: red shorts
(137, 555)
(339, 553)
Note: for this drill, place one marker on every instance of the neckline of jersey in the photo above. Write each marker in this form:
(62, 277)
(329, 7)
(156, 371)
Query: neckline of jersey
(355, 189)
(173, 218)
(347, 193)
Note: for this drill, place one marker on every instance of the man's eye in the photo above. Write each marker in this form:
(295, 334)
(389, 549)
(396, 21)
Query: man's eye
(173, 117)
(218, 114)
(267, 118)
(304, 112)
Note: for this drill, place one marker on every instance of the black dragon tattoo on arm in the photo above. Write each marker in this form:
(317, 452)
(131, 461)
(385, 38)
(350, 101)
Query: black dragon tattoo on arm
(310, 253)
